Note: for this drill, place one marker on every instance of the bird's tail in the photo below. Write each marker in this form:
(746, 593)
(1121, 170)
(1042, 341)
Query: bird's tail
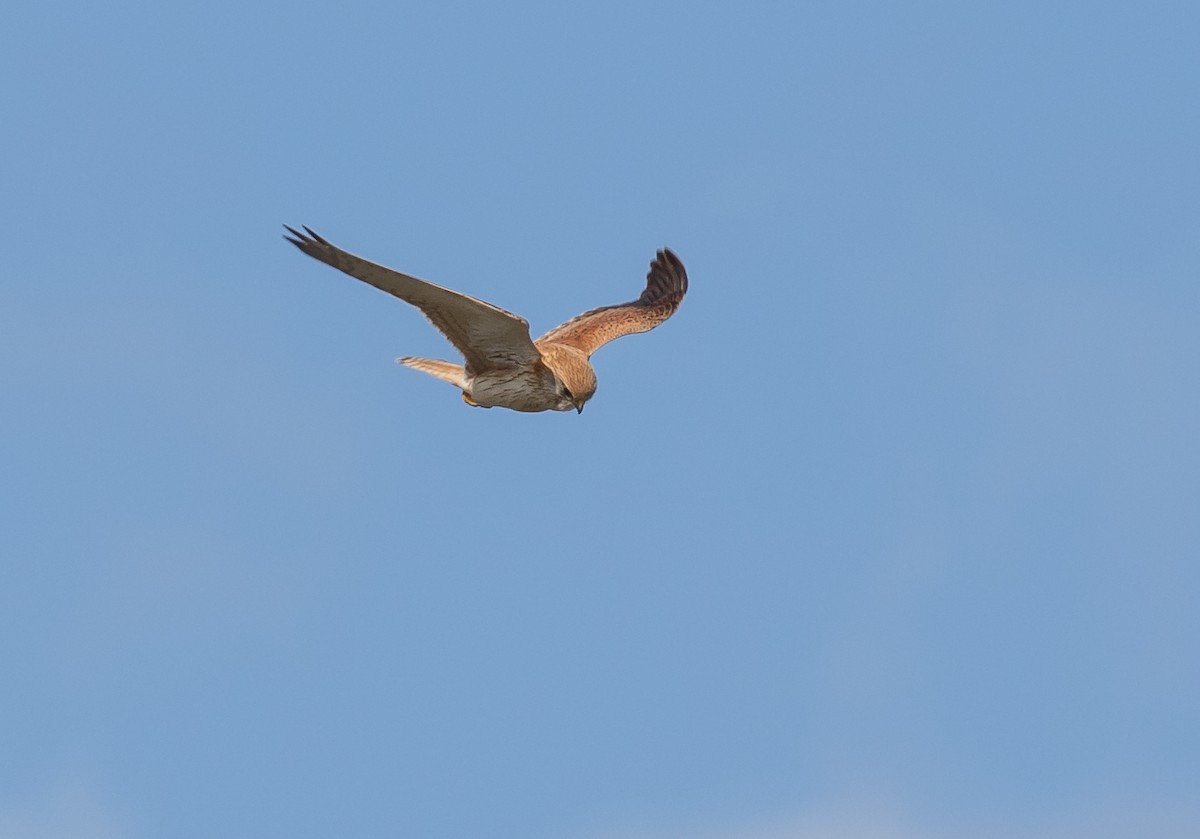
(455, 374)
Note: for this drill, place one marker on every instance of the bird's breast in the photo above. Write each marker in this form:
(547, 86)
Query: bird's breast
(517, 388)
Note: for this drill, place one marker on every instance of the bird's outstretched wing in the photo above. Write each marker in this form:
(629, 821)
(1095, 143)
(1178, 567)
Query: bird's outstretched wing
(666, 284)
(486, 335)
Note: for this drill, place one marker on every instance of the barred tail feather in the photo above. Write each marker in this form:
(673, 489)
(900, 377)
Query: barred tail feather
(455, 374)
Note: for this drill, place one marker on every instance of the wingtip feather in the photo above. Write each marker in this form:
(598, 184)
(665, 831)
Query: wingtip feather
(667, 278)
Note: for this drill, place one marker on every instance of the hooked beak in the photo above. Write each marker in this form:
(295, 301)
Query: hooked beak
(578, 407)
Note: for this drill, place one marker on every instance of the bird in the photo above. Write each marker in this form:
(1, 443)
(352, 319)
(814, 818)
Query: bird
(502, 366)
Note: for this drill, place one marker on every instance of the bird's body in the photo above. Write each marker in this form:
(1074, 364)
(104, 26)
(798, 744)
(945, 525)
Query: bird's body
(503, 367)
(533, 388)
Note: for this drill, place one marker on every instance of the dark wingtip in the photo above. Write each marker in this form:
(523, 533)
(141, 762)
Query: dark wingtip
(667, 278)
(297, 238)
(314, 235)
(309, 241)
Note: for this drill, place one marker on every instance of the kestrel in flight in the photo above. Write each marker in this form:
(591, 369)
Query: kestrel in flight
(504, 367)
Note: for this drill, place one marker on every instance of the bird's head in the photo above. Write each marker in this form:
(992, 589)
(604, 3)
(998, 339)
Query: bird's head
(575, 379)
(569, 400)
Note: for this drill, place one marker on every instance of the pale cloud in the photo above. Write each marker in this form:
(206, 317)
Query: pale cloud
(67, 812)
(1100, 820)
(845, 824)
(1117, 820)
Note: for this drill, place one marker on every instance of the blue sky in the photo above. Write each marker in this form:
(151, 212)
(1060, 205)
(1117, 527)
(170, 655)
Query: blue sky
(891, 532)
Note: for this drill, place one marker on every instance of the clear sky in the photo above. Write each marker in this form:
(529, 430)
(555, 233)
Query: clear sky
(891, 532)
